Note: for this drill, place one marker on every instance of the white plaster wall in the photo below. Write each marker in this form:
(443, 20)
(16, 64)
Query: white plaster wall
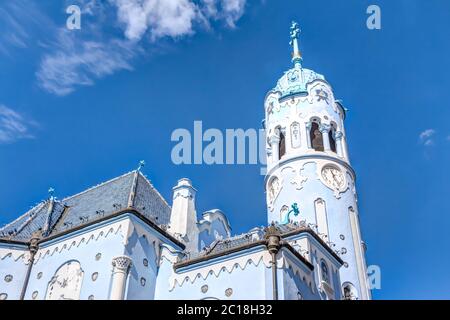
(14, 262)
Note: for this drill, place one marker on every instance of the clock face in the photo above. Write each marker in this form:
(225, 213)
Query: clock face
(333, 177)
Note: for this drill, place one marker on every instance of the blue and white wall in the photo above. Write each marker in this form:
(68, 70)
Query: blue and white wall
(14, 260)
(321, 183)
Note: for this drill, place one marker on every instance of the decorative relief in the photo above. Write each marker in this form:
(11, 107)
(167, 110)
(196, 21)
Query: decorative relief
(66, 283)
(145, 262)
(34, 295)
(39, 275)
(229, 292)
(297, 179)
(295, 135)
(91, 297)
(322, 95)
(143, 281)
(8, 278)
(94, 276)
(283, 212)
(320, 92)
(98, 256)
(204, 288)
(254, 259)
(272, 105)
(3, 296)
(95, 235)
(122, 263)
(273, 190)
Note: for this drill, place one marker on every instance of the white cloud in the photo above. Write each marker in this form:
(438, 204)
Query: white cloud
(232, 11)
(426, 137)
(76, 63)
(14, 126)
(80, 58)
(173, 18)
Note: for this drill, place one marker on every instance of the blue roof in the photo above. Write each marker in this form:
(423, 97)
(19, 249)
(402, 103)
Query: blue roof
(295, 81)
(51, 217)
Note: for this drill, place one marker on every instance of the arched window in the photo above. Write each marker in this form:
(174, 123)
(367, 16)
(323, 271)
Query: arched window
(331, 134)
(281, 146)
(324, 271)
(316, 137)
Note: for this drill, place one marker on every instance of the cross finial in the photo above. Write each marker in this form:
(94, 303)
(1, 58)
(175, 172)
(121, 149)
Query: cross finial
(141, 165)
(295, 35)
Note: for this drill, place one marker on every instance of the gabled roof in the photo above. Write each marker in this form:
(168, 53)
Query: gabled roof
(51, 217)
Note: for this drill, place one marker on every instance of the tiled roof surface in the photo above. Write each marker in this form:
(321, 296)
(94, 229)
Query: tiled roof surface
(224, 246)
(51, 217)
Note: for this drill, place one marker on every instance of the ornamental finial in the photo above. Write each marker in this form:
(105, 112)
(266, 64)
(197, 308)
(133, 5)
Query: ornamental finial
(141, 165)
(295, 35)
(51, 192)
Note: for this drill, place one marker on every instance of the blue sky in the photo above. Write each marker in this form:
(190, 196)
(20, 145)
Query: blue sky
(80, 107)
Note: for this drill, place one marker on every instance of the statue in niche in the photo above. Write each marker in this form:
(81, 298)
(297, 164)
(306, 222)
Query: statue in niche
(317, 141)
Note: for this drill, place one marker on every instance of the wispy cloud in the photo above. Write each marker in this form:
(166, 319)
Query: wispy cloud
(80, 63)
(21, 21)
(75, 60)
(426, 137)
(14, 126)
(113, 33)
(176, 18)
(229, 11)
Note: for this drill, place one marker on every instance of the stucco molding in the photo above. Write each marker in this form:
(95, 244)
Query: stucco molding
(255, 259)
(14, 254)
(118, 228)
(208, 217)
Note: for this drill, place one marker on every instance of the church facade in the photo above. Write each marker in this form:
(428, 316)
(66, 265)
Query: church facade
(122, 240)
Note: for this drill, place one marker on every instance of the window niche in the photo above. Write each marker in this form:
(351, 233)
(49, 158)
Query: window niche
(281, 145)
(316, 137)
(331, 137)
(324, 271)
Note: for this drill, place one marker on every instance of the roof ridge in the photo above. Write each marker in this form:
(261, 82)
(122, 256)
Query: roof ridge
(132, 193)
(97, 186)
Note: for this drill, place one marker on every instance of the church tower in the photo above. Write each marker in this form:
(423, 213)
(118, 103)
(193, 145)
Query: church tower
(309, 177)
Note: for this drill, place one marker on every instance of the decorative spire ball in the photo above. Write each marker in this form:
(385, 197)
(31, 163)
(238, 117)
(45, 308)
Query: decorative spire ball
(295, 35)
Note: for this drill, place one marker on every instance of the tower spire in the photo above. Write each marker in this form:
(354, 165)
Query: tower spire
(295, 35)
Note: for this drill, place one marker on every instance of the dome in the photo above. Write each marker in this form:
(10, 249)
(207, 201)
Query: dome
(295, 80)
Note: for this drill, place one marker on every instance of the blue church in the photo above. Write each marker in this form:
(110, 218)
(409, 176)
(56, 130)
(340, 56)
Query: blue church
(122, 240)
